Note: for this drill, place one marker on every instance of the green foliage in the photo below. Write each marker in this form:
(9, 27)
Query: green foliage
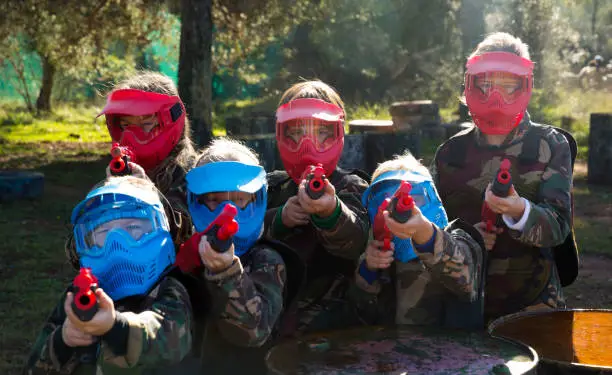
(370, 111)
(79, 43)
(592, 217)
(551, 106)
(380, 51)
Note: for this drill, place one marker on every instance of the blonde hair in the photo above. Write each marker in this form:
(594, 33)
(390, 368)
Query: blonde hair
(184, 152)
(315, 89)
(502, 42)
(141, 183)
(227, 149)
(405, 162)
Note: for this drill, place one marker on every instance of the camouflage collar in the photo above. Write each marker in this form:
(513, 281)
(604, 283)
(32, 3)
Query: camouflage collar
(512, 138)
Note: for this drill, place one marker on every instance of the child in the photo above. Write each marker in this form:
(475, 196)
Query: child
(435, 272)
(146, 114)
(532, 251)
(144, 316)
(244, 284)
(328, 233)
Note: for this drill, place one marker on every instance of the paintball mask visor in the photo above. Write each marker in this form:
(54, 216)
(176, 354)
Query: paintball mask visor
(507, 86)
(142, 128)
(134, 223)
(322, 134)
(309, 119)
(121, 206)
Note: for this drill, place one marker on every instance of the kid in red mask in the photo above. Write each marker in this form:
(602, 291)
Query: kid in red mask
(531, 251)
(497, 90)
(327, 232)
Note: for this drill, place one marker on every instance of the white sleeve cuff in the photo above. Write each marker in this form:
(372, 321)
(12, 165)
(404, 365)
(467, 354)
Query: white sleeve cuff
(519, 225)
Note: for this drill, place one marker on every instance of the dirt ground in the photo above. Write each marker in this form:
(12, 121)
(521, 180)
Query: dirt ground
(593, 287)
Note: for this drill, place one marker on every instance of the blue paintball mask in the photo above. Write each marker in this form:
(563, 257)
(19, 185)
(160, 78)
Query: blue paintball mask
(214, 185)
(122, 233)
(424, 195)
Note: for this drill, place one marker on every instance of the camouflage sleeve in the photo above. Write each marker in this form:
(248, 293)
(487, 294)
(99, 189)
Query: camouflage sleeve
(50, 354)
(455, 261)
(159, 336)
(548, 223)
(346, 237)
(368, 289)
(248, 303)
(363, 296)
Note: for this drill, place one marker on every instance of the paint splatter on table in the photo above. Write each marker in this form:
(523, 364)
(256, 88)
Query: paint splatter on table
(401, 350)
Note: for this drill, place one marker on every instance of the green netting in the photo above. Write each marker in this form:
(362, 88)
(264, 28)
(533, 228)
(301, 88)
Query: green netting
(8, 77)
(158, 57)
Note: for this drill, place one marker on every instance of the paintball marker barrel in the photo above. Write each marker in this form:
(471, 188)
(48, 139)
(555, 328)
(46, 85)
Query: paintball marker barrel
(85, 303)
(119, 165)
(315, 181)
(501, 188)
(401, 204)
(379, 228)
(503, 180)
(223, 229)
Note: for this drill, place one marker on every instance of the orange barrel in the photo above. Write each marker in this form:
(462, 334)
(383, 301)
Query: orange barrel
(571, 341)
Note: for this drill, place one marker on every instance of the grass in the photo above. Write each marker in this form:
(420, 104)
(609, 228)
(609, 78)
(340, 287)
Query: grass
(34, 270)
(592, 215)
(64, 124)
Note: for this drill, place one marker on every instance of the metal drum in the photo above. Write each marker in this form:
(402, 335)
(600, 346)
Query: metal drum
(401, 350)
(569, 341)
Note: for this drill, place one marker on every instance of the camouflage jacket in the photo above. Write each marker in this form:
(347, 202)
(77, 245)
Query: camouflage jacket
(421, 291)
(329, 250)
(521, 263)
(246, 301)
(150, 333)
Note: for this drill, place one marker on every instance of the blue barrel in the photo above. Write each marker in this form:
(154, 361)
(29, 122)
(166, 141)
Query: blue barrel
(16, 185)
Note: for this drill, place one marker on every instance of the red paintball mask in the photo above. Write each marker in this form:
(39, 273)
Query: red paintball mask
(309, 131)
(498, 88)
(167, 114)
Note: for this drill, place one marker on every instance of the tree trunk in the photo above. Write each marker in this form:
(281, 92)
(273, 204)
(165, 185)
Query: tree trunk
(596, 45)
(195, 67)
(472, 23)
(43, 103)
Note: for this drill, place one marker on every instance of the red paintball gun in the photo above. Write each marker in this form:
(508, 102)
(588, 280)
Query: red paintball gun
(119, 166)
(85, 303)
(219, 234)
(379, 228)
(501, 188)
(400, 207)
(315, 181)
(401, 203)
